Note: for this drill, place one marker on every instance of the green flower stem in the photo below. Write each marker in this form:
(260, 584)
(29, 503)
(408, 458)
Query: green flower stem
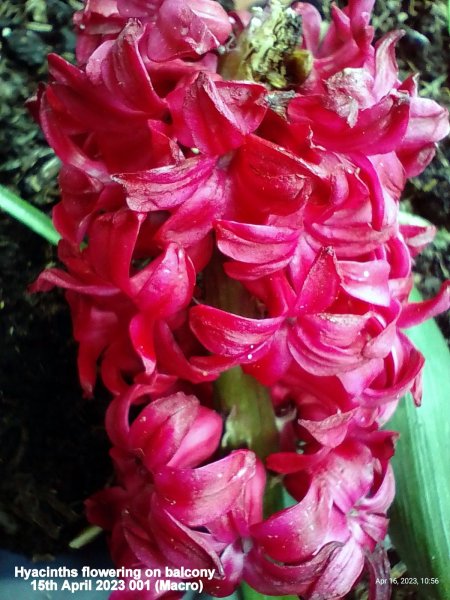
(29, 215)
(250, 418)
(251, 421)
(250, 424)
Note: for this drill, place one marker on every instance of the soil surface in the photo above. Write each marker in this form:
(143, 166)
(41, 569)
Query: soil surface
(54, 452)
(53, 447)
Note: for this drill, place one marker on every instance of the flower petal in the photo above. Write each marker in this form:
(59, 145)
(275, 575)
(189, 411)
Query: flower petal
(197, 496)
(165, 187)
(215, 116)
(187, 29)
(417, 312)
(295, 533)
(228, 334)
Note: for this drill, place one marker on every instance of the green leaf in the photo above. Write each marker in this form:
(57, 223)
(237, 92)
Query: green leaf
(420, 516)
(29, 215)
(249, 593)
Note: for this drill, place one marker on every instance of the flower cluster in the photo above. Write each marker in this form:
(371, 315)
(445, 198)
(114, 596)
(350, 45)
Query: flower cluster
(213, 220)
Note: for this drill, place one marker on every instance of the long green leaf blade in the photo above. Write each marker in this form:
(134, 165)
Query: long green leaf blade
(420, 517)
(29, 215)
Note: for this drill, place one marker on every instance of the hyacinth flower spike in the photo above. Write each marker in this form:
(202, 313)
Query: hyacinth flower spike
(238, 276)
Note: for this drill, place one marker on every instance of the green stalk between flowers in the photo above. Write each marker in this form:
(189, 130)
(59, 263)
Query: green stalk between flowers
(250, 418)
(29, 215)
(420, 516)
(246, 404)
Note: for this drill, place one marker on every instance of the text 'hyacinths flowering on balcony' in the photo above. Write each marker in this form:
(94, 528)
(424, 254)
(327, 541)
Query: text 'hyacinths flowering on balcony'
(234, 263)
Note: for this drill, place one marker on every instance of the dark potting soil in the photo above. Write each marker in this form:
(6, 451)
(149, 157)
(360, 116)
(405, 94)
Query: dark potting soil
(53, 447)
(54, 451)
